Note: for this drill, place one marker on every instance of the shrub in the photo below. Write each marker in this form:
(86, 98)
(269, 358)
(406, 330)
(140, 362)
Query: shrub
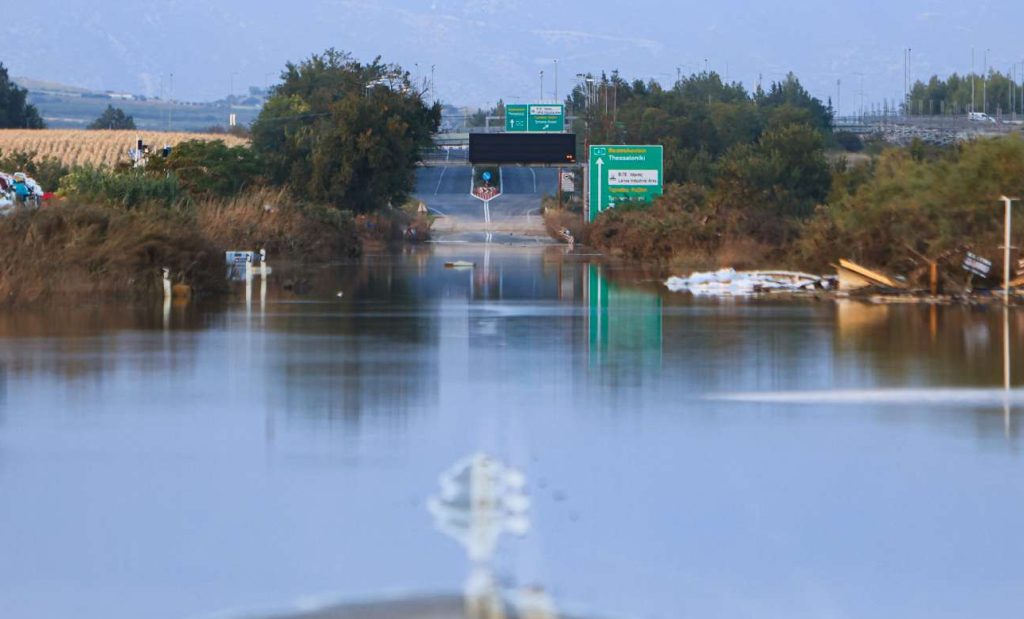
(128, 189)
(912, 205)
(849, 141)
(210, 168)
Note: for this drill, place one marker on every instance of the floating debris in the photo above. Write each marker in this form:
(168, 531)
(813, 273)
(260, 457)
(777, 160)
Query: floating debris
(729, 282)
(853, 276)
(459, 264)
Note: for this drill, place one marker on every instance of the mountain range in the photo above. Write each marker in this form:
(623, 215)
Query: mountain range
(483, 50)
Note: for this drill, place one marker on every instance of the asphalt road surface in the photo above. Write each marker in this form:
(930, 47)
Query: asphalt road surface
(446, 192)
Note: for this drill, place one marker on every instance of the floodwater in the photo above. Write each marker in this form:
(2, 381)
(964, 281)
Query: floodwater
(536, 430)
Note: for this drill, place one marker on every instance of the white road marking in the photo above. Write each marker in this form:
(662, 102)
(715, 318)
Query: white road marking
(439, 179)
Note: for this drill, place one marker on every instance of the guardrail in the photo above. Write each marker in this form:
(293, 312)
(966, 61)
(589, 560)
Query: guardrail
(441, 155)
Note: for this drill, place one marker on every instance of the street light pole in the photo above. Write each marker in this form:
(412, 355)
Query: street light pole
(973, 79)
(984, 85)
(541, 85)
(556, 80)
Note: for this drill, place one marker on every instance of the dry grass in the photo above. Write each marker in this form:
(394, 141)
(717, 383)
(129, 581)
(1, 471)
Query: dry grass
(79, 147)
(85, 251)
(273, 220)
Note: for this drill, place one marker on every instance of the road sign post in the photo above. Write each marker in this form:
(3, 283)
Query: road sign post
(620, 174)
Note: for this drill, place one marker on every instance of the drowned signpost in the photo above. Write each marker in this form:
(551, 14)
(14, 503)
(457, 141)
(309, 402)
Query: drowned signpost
(976, 265)
(620, 174)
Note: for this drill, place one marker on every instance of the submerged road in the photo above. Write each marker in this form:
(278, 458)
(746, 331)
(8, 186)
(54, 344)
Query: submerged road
(446, 192)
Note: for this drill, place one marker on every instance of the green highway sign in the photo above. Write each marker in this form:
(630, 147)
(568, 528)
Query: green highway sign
(517, 118)
(624, 174)
(547, 118)
(535, 118)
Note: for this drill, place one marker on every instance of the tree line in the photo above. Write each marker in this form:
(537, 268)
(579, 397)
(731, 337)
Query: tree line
(994, 93)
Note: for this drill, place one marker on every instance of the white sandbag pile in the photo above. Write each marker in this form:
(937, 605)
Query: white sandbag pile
(729, 282)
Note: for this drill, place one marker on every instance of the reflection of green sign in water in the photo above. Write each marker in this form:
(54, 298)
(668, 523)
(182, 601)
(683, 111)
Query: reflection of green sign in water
(624, 174)
(535, 118)
(625, 324)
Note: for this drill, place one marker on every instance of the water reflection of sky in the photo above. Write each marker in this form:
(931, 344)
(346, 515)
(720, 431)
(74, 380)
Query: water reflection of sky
(247, 458)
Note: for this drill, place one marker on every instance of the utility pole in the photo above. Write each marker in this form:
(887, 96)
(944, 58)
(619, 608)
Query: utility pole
(541, 85)
(839, 93)
(973, 79)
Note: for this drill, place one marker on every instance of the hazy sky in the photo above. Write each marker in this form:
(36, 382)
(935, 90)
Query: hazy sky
(483, 50)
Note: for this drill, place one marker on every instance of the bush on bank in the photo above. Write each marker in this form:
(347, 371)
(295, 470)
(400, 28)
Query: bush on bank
(911, 205)
(907, 203)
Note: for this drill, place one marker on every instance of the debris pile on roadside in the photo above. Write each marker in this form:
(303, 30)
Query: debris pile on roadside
(857, 281)
(18, 187)
(729, 282)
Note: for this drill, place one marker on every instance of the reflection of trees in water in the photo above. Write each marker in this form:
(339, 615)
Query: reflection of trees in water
(942, 346)
(78, 342)
(371, 351)
(347, 377)
(722, 345)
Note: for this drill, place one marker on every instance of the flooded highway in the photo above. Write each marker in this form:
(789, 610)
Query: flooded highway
(536, 436)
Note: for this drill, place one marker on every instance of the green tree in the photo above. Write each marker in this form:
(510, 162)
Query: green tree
(771, 185)
(113, 118)
(15, 113)
(791, 94)
(345, 132)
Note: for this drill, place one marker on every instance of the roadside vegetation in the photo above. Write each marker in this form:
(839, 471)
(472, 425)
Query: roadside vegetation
(329, 168)
(760, 180)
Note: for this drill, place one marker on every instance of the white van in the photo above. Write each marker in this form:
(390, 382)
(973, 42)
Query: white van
(980, 117)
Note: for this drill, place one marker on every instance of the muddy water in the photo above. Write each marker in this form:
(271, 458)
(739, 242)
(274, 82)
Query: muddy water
(539, 432)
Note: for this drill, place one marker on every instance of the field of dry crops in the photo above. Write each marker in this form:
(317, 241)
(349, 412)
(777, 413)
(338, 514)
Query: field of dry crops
(78, 147)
